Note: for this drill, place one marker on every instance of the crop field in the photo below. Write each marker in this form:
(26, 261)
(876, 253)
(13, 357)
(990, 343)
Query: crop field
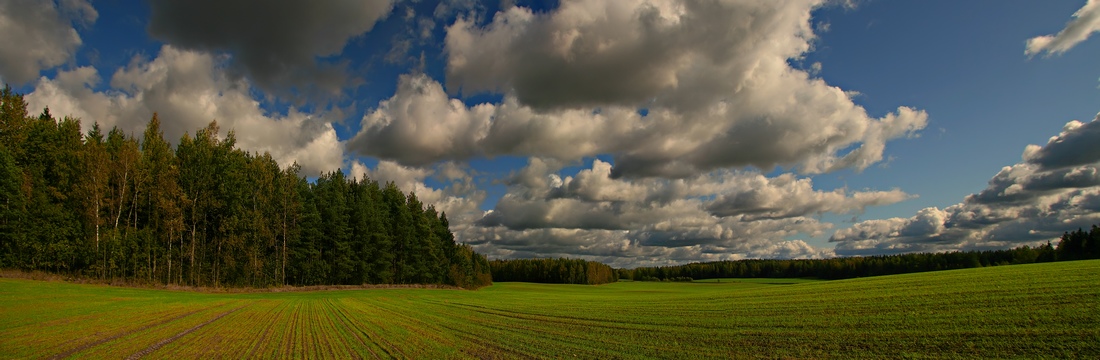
(1023, 311)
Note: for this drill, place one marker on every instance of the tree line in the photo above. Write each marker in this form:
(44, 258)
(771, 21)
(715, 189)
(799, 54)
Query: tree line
(553, 271)
(1080, 245)
(205, 213)
(1077, 245)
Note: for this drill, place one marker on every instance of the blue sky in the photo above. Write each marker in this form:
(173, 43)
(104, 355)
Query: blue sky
(630, 132)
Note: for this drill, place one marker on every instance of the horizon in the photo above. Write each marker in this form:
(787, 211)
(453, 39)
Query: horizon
(634, 133)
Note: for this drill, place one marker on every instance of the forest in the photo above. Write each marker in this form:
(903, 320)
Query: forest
(1076, 245)
(553, 271)
(205, 213)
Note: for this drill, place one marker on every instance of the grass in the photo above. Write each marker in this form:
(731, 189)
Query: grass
(1023, 311)
(764, 281)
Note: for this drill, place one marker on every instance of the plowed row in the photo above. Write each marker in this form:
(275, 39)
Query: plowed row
(1027, 311)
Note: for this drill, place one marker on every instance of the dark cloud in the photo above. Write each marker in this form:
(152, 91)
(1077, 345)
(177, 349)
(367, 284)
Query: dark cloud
(1022, 183)
(1078, 144)
(279, 44)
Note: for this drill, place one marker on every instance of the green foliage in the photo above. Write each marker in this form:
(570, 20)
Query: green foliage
(1080, 245)
(1021, 312)
(553, 271)
(846, 267)
(12, 207)
(205, 214)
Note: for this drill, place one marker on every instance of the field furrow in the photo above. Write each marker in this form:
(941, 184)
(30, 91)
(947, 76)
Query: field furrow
(161, 343)
(1024, 311)
(135, 341)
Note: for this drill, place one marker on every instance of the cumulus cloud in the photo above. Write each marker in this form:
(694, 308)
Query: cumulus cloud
(1085, 22)
(1054, 189)
(277, 44)
(593, 53)
(669, 88)
(189, 89)
(421, 124)
(716, 216)
(1075, 145)
(787, 196)
(39, 35)
(458, 196)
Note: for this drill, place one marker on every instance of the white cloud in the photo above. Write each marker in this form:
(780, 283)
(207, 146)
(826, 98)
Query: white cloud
(712, 78)
(1085, 22)
(787, 196)
(1056, 188)
(39, 35)
(188, 90)
(421, 125)
(459, 197)
(407, 179)
(596, 53)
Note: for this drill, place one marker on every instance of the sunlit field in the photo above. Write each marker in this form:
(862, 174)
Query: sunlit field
(1026, 311)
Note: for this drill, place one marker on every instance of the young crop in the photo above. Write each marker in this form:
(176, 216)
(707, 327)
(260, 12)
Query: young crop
(1027, 311)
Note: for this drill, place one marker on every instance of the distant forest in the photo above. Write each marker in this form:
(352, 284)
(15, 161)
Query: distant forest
(205, 213)
(553, 271)
(1076, 245)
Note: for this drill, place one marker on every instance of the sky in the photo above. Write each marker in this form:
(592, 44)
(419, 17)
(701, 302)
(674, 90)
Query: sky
(632, 132)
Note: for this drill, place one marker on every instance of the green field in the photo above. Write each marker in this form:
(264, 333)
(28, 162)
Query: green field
(1023, 311)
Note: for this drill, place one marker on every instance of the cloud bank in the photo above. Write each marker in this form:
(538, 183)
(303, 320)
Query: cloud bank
(720, 215)
(1055, 188)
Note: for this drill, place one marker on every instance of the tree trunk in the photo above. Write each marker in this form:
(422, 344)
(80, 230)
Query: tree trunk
(168, 279)
(121, 198)
(217, 261)
(284, 242)
(192, 270)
